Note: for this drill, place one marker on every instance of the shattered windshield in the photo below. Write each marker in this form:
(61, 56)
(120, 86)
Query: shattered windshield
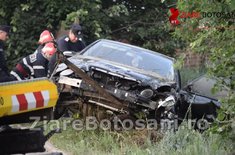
(133, 56)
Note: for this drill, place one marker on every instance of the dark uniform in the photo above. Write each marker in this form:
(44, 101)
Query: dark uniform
(4, 75)
(3, 66)
(32, 66)
(64, 44)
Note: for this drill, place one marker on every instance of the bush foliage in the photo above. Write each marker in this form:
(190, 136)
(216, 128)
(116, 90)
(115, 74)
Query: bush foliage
(214, 36)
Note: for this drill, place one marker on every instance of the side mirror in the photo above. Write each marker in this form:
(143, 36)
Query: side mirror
(188, 87)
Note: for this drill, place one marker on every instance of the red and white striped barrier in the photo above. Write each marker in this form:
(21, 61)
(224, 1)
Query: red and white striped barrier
(32, 100)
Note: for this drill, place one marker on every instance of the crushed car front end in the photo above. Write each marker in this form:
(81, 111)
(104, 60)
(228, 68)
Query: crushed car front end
(123, 78)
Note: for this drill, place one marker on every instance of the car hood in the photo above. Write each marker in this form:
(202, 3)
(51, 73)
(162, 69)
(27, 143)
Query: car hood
(145, 78)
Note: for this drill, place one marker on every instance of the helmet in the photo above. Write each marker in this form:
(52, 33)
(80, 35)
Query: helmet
(46, 36)
(48, 50)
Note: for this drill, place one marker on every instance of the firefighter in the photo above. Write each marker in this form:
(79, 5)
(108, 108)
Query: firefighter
(4, 33)
(35, 65)
(45, 37)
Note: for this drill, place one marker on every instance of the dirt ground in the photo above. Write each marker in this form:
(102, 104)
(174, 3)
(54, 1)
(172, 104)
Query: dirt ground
(51, 148)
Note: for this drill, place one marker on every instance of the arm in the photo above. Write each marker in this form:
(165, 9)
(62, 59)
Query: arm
(40, 71)
(39, 66)
(62, 44)
(52, 63)
(3, 65)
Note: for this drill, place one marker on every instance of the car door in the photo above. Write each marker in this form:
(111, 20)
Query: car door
(197, 100)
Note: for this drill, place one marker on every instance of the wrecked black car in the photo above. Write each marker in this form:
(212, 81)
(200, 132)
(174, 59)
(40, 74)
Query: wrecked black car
(123, 79)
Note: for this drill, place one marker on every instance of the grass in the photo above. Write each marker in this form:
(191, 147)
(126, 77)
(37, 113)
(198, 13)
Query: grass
(184, 141)
(98, 142)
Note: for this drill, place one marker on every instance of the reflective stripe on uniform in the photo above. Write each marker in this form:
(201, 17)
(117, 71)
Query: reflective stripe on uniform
(66, 39)
(16, 75)
(30, 68)
(38, 67)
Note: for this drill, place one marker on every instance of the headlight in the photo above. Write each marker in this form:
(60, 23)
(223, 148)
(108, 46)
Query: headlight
(146, 93)
(169, 101)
